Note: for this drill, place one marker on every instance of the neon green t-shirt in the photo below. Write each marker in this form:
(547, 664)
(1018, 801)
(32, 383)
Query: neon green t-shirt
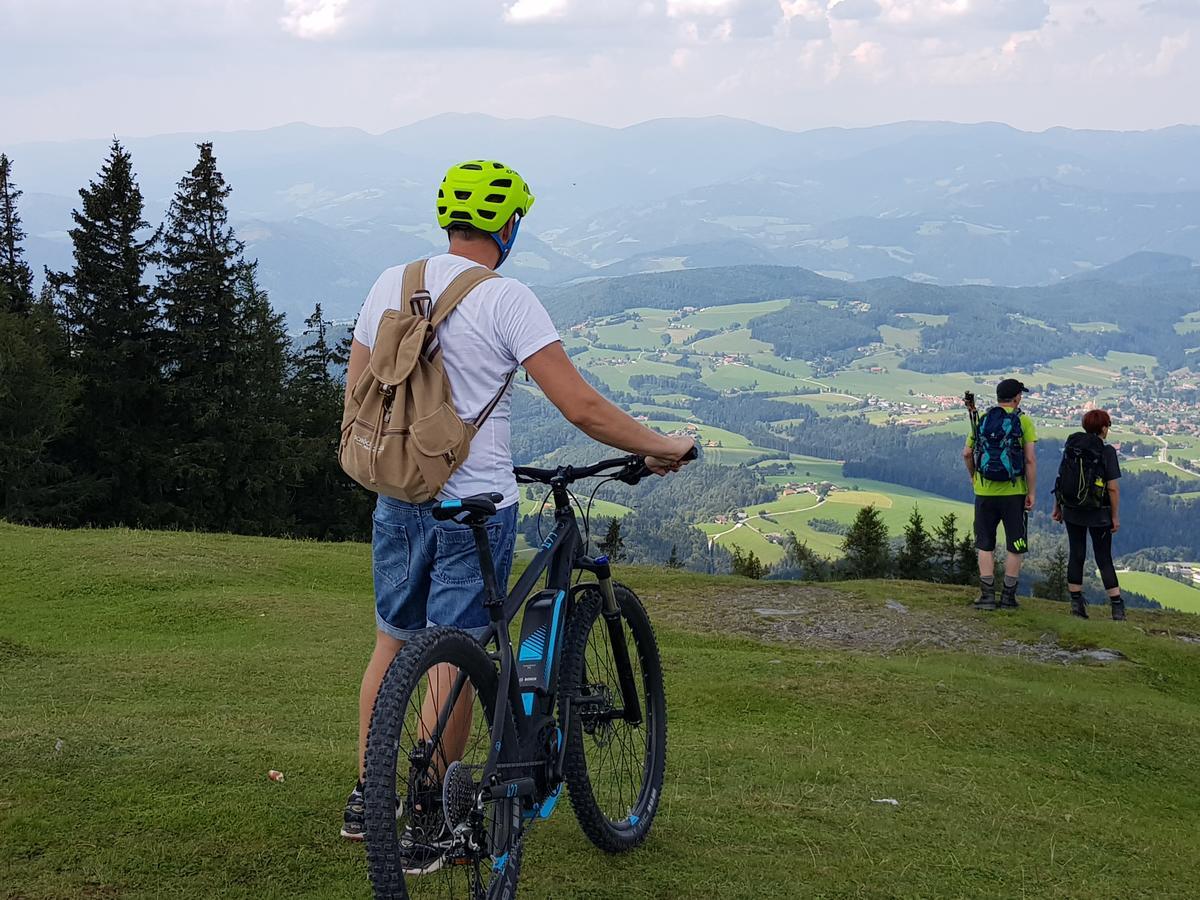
(1005, 488)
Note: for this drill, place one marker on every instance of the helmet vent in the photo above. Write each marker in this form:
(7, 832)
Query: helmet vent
(462, 195)
(474, 167)
(502, 182)
(486, 213)
(494, 198)
(460, 214)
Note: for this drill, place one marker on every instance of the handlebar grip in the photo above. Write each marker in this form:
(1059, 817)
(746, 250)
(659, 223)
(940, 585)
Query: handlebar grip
(692, 454)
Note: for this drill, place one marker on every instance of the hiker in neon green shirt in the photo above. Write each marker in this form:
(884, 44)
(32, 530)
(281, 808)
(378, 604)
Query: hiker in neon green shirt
(1001, 460)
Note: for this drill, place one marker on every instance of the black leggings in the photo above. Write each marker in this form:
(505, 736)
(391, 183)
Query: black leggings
(1101, 549)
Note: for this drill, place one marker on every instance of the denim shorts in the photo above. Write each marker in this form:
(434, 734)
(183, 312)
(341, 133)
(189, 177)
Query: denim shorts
(427, 572)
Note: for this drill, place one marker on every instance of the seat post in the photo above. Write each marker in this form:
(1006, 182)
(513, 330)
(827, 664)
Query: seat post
(487, 565)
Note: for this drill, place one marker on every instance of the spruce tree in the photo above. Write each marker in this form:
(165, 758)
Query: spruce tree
(16, 278)
(38, 398)
(673, 560)
(613, 545)
(747, 564)
(1054, 587)
(867, 554)
(327, 504)
(915, 560)
(945, 548)
(233, 463)
(117, 450)
(968, 561)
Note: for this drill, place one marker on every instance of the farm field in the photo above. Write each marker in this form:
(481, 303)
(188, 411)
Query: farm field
(1170, 593)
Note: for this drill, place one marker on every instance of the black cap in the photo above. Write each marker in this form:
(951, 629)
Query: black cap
(1009, 388)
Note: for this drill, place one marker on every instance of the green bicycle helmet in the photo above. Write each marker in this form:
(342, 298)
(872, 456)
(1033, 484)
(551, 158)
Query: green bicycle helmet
(484, 194)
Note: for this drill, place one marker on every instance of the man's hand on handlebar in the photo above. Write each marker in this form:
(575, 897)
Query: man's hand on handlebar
(673, 462)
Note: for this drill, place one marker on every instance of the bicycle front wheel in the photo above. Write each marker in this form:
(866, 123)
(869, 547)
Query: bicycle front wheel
(616, 749)
(428, 833)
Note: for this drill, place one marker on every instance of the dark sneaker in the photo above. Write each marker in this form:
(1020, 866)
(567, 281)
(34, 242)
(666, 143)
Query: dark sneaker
(422, 853)
(353, 819)
(1118, 609)
(1079, 608)
(354, 816)
(1008, 599)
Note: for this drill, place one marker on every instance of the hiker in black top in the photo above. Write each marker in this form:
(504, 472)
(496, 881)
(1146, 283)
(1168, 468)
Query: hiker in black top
(1087, 499)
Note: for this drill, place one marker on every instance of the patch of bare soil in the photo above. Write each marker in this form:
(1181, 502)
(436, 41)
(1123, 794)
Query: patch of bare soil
(817, 616)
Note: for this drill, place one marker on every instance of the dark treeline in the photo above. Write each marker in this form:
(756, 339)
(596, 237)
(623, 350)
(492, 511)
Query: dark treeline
(172, 401)
(812, 331)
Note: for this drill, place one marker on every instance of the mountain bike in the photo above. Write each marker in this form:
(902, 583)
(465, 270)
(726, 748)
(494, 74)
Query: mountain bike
(471, 742)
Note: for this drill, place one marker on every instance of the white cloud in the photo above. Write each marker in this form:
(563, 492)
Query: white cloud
(1169, 49)
(536, 10)
(314, 19)
(855, 9)
(677, 9)
(378, 63)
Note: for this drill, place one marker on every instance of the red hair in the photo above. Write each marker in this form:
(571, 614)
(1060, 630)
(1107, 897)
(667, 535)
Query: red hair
(1096, 420)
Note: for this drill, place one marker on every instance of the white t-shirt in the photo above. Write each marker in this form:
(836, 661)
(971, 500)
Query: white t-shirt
(495, 328)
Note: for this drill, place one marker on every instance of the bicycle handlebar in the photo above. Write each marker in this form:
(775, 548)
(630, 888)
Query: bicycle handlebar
(633, 469)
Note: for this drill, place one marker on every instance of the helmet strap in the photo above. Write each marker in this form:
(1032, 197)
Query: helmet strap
(506, 246)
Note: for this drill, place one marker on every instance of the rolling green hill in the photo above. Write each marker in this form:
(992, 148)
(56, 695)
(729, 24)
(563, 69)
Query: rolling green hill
(150, 681)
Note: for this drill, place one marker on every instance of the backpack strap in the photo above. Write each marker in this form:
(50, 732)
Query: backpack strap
(456, 291)
(495, 401)
(412, 288)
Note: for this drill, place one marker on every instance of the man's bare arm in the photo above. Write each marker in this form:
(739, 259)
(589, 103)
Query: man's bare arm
(585, 408)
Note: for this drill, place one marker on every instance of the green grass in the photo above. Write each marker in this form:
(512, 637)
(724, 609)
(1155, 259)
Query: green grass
(747, 537)
(905, 338)
(714, 317)
(178, 668)
(1095, 327)
(1153, 465)
(1170, 593)
(744, 377)
(738, 341)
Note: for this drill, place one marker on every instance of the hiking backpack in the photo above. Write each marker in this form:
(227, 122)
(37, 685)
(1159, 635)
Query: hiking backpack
(1080, 483)
(1000, 445)
(401, 435)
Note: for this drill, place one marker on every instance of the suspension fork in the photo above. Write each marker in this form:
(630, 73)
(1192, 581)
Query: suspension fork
(611, 611)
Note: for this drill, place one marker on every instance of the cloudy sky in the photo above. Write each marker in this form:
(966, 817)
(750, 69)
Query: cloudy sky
(91, 68)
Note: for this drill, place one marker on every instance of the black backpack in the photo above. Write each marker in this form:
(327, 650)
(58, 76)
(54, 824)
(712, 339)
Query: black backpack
(1000, 445)
(1081, 483)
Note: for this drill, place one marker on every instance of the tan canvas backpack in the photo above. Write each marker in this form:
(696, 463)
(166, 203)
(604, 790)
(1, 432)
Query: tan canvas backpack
(400, 433)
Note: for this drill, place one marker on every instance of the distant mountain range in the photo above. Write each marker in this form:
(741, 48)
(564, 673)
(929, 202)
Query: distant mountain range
(326, 209)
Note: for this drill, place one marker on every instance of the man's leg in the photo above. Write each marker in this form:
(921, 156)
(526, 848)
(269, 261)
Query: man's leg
(1016, 527)
(986, 522)
(386, 648)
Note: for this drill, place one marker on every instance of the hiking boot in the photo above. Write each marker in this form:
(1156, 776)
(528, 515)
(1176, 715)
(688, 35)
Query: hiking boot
(1008, 599)
(354, 818)
(1118, 609)
(1079, 607)
(987, 597)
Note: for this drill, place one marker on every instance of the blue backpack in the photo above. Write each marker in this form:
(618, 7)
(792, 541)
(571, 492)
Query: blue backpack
(1000, 446)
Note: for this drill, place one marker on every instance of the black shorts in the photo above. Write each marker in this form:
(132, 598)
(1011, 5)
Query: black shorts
(991, 511)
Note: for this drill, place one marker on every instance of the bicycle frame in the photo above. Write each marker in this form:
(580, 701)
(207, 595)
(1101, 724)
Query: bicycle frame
(560, 555)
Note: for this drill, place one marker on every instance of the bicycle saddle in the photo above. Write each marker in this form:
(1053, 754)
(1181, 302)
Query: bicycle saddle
(478, 507)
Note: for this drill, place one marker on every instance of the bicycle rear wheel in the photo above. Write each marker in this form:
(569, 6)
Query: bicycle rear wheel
(613, 765)
(426, 833)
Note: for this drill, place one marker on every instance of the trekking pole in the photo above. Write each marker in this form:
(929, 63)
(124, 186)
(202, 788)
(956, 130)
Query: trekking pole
(973, 412)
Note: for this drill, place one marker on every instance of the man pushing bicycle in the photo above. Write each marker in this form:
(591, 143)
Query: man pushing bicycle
(463, 320)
